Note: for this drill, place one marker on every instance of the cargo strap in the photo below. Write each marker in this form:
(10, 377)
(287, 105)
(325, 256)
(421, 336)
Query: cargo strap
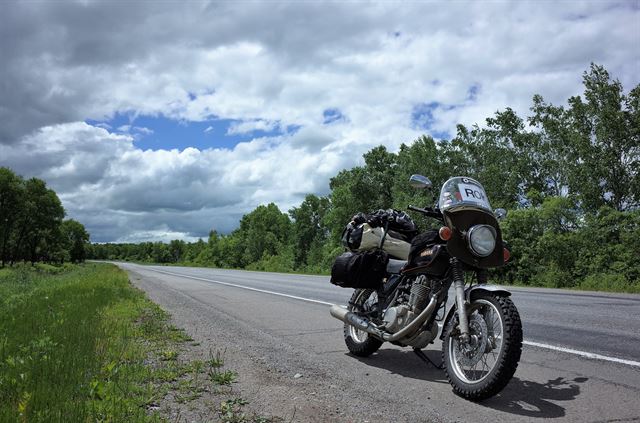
(384, 234)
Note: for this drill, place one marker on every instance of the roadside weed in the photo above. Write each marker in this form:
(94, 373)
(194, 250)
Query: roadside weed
(231, 411)
(223, 378)
(215, 372)
(215, 361)
(168, 355)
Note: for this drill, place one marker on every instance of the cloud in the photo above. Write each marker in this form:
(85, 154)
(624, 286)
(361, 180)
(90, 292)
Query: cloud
(347, 76)
(252, 125)
(142, 130)
(122, 192)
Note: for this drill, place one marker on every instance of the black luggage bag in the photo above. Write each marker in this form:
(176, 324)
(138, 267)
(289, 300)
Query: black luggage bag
(360, 270)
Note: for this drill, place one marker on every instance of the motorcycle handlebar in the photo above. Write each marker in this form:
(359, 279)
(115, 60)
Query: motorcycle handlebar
(427, 212)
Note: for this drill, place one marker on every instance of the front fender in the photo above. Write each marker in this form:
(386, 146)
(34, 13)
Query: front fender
(470, 295)
(471, 292)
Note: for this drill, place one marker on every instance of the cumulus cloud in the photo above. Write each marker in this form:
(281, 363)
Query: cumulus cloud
(122, 192)
(347, 76)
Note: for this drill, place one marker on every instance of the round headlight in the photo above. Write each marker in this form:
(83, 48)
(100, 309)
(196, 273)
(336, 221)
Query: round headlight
(482, 240)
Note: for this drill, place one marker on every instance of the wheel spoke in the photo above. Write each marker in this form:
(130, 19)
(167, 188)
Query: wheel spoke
(364, 304)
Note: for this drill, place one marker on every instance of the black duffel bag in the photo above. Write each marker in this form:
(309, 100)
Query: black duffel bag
(364, 269)
(396, 221)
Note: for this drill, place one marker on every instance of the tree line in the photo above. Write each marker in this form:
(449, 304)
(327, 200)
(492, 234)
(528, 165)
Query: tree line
(567, 174)
(32, 225)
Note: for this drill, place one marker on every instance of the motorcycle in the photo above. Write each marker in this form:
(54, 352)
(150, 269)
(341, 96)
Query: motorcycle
(481, 332)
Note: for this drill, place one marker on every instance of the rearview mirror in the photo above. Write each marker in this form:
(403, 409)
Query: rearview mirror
(500, 213)
(419, 181)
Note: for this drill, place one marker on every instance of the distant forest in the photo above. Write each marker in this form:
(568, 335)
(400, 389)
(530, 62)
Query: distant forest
(568, 175)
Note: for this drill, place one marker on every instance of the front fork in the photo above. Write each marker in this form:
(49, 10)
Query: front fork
(461, 304)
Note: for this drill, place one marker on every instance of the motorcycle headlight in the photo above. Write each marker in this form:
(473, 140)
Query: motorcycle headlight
(482, 240)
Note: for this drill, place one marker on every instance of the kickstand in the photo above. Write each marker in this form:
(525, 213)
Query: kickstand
(426, 359)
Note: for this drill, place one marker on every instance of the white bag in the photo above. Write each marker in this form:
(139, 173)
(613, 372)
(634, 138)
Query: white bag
(371, 239)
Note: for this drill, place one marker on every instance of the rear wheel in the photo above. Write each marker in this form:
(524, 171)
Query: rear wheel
(482, 367)
(363, 302)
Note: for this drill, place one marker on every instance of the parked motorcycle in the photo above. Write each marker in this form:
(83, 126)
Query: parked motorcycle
(481, 333)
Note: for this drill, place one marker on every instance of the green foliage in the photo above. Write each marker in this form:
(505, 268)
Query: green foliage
(31, 226)
(608, 282)
(262, 233)
(309, 232)
(361, 188)
(556, 245)
(282, 262)
(595, 143)
(568, 175)
(75, 237)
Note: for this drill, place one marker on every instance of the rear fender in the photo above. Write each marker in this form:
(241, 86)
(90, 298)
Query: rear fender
(471, 294)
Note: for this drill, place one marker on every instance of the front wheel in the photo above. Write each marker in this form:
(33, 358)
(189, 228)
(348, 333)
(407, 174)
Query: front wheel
(482, 367)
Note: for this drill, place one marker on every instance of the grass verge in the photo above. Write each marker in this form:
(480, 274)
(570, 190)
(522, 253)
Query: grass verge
(81, 344)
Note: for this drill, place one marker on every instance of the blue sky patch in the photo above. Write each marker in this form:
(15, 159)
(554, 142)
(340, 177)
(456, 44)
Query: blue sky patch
(422, 117)
(162, 133)
(472, 92)
(332, 115)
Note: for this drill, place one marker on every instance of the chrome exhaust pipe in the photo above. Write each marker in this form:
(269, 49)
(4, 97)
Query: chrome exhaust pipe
(356, 321)
(360, 323)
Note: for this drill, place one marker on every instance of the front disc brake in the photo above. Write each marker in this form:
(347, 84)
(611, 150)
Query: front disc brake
(468, 354)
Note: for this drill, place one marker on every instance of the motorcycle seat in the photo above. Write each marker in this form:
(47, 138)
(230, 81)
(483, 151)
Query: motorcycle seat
(394, 266)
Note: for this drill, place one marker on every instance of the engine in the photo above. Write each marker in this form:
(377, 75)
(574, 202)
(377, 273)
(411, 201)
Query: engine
(409, 303)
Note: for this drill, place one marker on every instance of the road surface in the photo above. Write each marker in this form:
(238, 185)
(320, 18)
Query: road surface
(580, 362)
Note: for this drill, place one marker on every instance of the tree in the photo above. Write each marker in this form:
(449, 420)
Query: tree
(596, 141)
(309, 230)
(362, 189)
(264, 231)
(161, 253)
(177, 250)
(11, 202)
(75, 239)
(38, 230)
(487, 154)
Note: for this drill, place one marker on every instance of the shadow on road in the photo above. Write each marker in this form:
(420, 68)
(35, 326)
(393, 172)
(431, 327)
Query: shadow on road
(523, 397)
(406, 363)
(533, 399)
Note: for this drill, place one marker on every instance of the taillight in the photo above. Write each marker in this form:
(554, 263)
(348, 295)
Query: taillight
(445, 233)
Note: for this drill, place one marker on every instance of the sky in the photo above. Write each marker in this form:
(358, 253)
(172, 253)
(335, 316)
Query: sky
(165, 120)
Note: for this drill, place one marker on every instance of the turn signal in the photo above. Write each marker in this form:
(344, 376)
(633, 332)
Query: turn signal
(445, 233)
(506, 255)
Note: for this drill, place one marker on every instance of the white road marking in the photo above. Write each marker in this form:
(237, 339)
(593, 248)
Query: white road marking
(244, 287)
(584, 354)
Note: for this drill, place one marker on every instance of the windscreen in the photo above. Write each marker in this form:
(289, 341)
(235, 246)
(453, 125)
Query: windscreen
(463, 192)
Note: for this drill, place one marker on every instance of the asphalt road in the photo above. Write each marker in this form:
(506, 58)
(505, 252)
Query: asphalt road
(581, 360)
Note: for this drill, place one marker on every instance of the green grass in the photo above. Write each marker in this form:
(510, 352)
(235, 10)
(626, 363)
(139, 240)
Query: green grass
(80, 344)
(73, 344)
